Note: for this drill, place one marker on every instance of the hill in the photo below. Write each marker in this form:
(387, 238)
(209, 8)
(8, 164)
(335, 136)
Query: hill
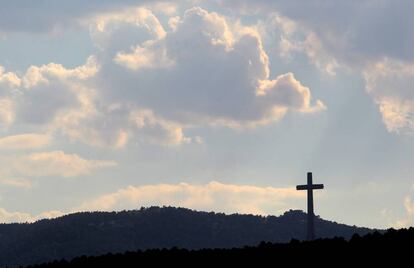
(97, 233)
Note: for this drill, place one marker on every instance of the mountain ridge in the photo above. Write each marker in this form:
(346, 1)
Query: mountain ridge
(97, 233)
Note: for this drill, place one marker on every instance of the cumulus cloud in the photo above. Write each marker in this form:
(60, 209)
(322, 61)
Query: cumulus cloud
(11, 217)
(148, 84)
(151, 129)
(143, 57)
(52, 16)
(54, 163)
(202, 72)
(58, 163)
(6, 112)
(115, 125)
(65, 101)
(16, 182)
(215, 196)
(408, 220)
(9, 81)
(52, 90)
(294, 39)
(24, 141)
(114, 32)
(351, 31)
(390, 82)
(371, 38)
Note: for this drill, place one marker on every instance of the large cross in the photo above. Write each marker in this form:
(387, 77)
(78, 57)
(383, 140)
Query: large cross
(310, 187)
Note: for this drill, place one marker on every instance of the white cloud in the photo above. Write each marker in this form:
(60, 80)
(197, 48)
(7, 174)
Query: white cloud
(65, 101)
(214, 196)
(390, 83)
(371, 38)
(351, 31)
(408, 220)
(204, 72)
(409, 206)
(11, 217)
(53, 16)
(9, 81)
(55, 163)
(295, 38)
(117, 31)
(151, 129)
(6, 112)
(148, 85)
(143, 57)
(24, 141)
(178, 73)
(116, 125)
(51, 91)
(16, 182)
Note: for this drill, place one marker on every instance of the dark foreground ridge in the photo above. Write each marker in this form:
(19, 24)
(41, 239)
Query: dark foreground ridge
(391, 247)
(98, 233)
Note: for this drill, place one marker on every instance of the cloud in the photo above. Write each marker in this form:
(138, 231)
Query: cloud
(408, 220)
(66, 101)
(143, 57)
(44, 96)
(60, 164)
(55, 163)
(17, 183)
(24, 141)
(52, 16)
(115, 31)
(351, 31)
(205, 71)
(215, 196)
(115, 125)
(295, 39)
(147, 84)
(372, 38)
(409, 206)
(6, 112)
(51, 91)
(389, 82)
(151, 129)
(11, 217)
(9, 81)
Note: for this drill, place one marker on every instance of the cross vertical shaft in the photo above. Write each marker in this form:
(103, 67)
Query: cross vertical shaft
(309, 187)
(311, 215)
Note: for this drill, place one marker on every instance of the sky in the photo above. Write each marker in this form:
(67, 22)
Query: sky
(211, 105)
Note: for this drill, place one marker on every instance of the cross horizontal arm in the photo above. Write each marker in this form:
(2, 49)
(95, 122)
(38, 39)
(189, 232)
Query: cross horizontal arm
(307, 187)
(302, 187)
(317, 186)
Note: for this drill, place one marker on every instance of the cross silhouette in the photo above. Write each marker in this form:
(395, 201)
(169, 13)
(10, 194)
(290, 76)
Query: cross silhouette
(311, 216)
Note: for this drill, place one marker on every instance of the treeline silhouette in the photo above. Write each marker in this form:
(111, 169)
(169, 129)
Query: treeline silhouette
(98, 233)
(392, 247)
